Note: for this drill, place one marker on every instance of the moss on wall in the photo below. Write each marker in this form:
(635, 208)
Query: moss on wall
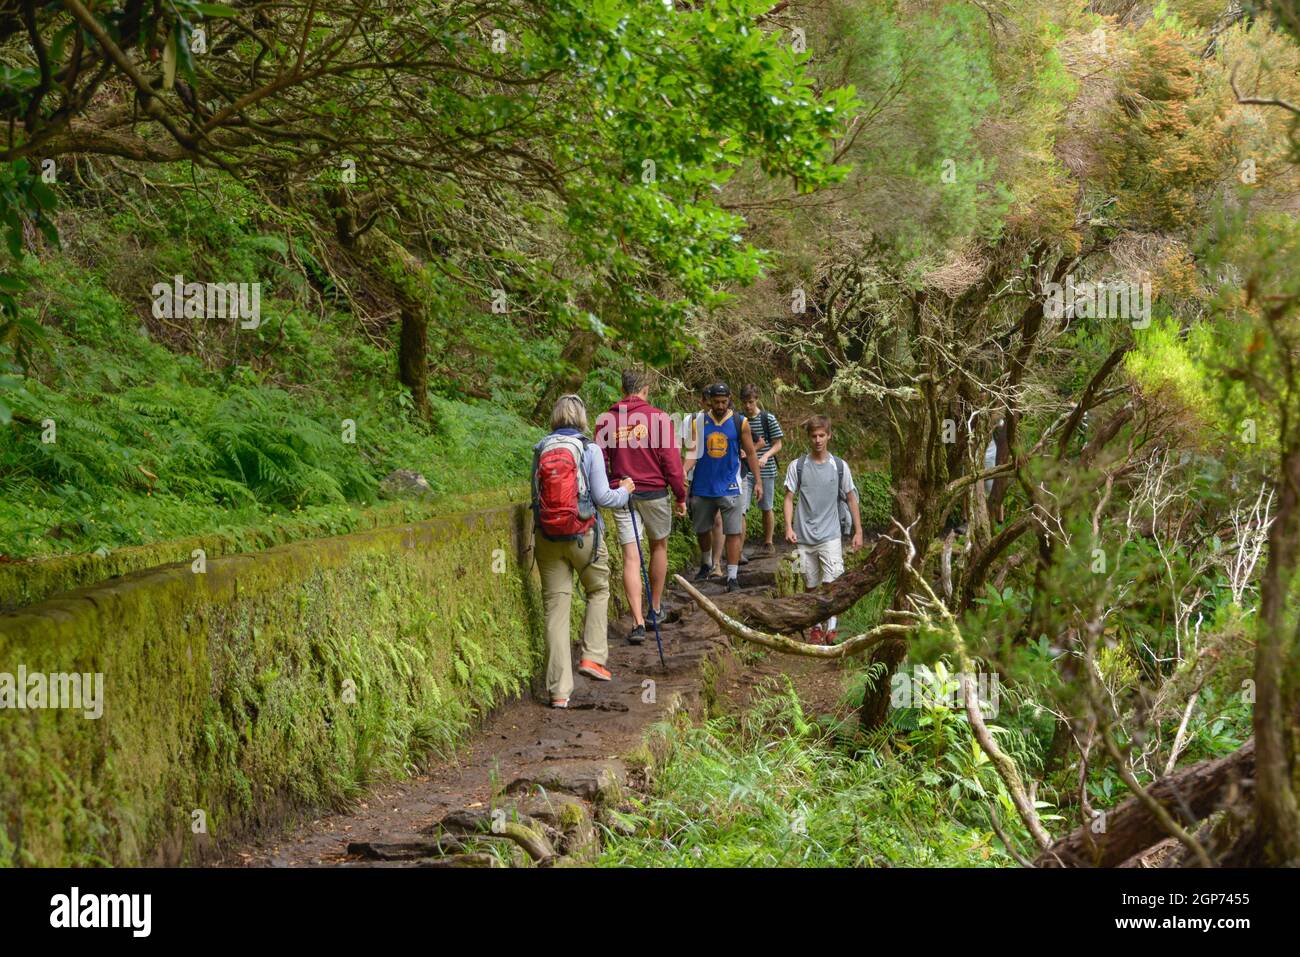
(25, 583)
(285, 679)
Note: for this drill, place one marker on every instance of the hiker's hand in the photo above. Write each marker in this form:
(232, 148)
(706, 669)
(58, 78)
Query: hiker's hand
(681, 509)
(857, 541)
(790, 536)
(627, 485)
(758, 491)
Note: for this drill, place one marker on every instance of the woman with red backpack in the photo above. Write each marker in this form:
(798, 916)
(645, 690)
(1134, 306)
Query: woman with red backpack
(569, 488)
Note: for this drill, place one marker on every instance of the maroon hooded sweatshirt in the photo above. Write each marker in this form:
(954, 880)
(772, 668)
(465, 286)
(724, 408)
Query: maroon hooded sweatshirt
(640, 443)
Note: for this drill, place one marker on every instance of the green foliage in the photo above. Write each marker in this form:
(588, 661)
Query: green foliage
(1169, 140)
(669, 102)
(1249, 349)
(23, 198)
(932, 74)
(1165, 360)
(770, 789)
(149, 444)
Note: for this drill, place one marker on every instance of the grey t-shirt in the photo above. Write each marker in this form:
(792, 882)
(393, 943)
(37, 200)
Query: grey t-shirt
(817, 513)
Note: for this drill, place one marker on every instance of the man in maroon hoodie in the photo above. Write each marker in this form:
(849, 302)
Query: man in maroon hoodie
(640, 443)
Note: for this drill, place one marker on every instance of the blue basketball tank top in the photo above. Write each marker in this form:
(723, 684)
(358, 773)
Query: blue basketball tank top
(717, 473)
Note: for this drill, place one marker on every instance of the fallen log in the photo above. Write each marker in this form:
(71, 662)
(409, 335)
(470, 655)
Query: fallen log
(1189, 795)
(796, 612)
(850, 646)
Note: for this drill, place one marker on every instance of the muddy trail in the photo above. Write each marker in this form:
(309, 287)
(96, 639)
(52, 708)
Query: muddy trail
(534, 781)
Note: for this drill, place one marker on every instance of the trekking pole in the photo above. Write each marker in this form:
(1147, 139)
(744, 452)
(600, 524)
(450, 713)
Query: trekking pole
(645, 579)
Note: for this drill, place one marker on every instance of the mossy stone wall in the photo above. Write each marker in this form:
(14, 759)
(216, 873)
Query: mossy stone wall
(281, 680)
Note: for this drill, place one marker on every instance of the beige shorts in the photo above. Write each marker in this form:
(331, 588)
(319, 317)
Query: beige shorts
(654, 520)
(822, 563)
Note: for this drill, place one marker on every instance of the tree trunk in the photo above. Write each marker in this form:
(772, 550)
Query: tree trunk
(576, 357)
(1276, 662)
(912, 464)
(918, 463)
(795, 612)
(373, 252)
(413, 356)
(1191, 795)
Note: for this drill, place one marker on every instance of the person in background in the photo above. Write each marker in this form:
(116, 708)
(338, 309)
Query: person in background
(716, 482)
(767, 440)
(639, 442)
(569, 488)
(711, 543)
(820, 480)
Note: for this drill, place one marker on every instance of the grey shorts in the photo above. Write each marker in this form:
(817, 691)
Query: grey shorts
(654, 520)
(703, 510)
(769, 492)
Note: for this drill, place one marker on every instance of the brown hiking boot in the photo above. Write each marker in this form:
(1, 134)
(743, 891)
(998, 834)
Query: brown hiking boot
(766, 550)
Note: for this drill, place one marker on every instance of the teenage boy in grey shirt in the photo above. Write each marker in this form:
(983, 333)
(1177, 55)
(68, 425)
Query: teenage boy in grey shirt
(814, 525)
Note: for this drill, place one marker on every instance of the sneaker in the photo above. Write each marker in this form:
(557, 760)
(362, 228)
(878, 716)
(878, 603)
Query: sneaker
(816, 636)
(656, 615)
(704, 572)
(832, 637)
(637, 636)
(593, 670)
(766, 550)
(743, 559)
(733, 585)
(559, 702)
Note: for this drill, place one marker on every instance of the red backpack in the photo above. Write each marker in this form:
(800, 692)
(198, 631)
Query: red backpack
(561, 500)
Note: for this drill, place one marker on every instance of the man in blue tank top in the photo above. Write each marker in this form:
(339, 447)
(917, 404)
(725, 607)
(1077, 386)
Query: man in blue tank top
(715, 485)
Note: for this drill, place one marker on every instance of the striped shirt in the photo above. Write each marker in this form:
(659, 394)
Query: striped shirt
(757, 424)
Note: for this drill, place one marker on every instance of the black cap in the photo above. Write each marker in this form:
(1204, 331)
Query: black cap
(718, 388)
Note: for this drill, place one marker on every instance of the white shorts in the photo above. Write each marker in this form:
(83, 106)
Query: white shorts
(822, 563)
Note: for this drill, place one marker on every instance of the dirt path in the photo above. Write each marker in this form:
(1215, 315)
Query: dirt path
(550, 771)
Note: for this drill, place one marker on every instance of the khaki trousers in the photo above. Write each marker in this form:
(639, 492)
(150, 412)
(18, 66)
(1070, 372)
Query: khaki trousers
(557, 561)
